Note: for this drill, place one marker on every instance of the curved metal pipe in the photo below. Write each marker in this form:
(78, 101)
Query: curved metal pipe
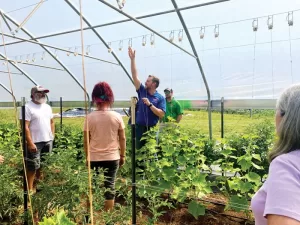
(18, 68)
(6, 89)
(100, 37)
(122, 21)
(21, 70)
(50, 53)
(199, 65)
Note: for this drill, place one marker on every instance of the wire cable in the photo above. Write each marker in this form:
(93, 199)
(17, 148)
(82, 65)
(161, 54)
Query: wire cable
(24, 7)
(29, 15)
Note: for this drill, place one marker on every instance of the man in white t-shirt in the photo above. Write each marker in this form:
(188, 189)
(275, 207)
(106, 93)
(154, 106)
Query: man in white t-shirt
(39, 130)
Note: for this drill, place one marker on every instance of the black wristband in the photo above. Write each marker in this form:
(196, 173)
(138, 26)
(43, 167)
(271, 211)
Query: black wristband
(150, 105)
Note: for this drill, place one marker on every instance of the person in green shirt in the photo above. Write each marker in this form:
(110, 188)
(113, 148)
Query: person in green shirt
(174, 109)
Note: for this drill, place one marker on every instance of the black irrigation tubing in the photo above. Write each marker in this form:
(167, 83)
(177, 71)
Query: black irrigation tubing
(240, 206)
(227, 216)
(216, 203)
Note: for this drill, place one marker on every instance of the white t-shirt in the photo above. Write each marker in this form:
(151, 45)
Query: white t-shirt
(39, 116)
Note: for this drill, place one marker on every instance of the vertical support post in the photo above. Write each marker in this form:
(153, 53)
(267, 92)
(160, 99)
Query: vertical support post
(133, 140)
(222, 117)
(60, 105)
(25, 156)
(198, 63)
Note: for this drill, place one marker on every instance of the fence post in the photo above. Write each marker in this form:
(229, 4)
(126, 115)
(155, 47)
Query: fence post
(61, 122)
(222, 117)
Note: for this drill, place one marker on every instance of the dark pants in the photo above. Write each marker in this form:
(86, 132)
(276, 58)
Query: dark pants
(34, 159)
(110, 169)
(139, 132)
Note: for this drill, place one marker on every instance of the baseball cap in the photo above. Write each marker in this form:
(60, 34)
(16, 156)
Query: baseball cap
(39, 89)
(168, 89)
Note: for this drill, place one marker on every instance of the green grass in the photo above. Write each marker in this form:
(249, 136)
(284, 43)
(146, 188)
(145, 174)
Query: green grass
(195, 121)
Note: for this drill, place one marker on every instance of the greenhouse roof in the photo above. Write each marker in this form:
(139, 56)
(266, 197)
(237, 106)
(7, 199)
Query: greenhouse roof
(247, 48)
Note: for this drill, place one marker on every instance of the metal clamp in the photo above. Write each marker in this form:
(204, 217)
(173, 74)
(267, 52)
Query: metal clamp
(75, 51)
(33, 57)
(216, 30)
(180, 36)
(121, 45)
(152, 39)
(130, 42)
(270, 22)
(144, 40)
(202, 32)
(109, 47)
(88, 50)
(171, 36)
(43, 56)
(69, 51)
(290, 18)
(255, 25)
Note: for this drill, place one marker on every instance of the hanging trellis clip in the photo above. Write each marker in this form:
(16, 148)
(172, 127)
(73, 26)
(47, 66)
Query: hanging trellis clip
(290, 18)
(130, 42)
(255, 25)
(88, 50)
(180, 35)
(216, 30)
(152, 39)
(121, 45)
(171, 36)
(270, 22)
(109, 47)
(202, 32)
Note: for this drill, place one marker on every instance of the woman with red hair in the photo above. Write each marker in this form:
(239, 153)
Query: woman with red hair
(104, 137)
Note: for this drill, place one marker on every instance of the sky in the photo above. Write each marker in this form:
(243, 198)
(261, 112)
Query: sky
(238, 64)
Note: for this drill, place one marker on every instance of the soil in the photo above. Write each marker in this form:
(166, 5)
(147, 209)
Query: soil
(215, 214)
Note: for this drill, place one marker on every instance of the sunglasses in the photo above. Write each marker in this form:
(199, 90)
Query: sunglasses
(167, 92)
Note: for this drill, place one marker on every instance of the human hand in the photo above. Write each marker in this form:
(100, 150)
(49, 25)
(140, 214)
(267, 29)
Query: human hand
(131, 53)
(1, 159)
(32, 147)
(122, 161)
(146, 101)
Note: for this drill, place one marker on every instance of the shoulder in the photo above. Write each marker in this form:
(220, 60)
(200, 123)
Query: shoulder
(141, 88)
(30, 107)
(47, 106)
(114, 114)
(160, 97)
(175, 101)
(29, 104)
(286, 164)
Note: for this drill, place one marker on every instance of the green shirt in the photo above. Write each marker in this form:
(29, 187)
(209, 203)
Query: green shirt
(173, 110)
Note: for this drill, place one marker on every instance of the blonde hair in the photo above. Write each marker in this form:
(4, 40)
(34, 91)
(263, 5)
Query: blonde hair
(288, 105)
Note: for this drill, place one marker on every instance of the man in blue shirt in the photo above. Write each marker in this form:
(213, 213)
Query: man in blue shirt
(151, 105)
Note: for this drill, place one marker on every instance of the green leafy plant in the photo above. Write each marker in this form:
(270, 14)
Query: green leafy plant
(59, 218)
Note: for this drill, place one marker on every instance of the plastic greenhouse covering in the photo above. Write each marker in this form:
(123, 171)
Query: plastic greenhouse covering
(249, 49)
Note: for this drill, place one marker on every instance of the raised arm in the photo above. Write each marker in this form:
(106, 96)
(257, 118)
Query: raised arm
(137, 82)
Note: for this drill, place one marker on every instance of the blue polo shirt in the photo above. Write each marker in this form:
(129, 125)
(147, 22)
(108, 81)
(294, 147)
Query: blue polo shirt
(145, 116)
